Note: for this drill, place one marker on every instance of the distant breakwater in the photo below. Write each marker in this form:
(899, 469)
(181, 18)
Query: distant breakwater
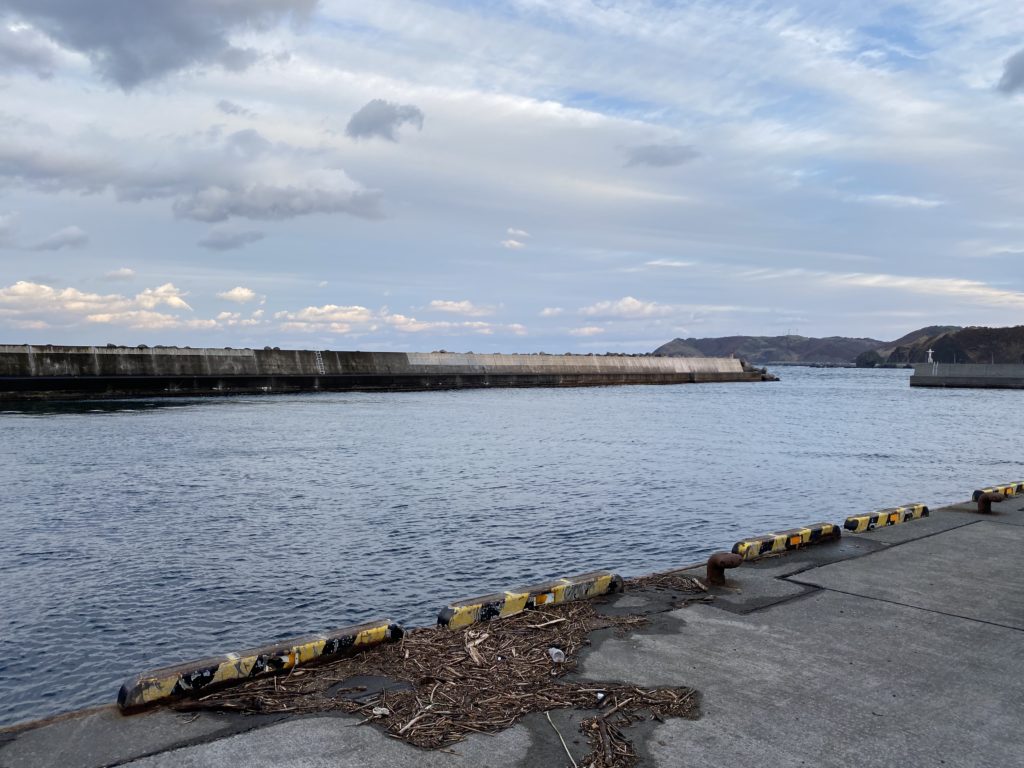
(57, 372)
(968, 376)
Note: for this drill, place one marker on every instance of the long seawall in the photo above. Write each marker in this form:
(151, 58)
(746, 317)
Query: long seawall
(52, 372)
(968, 375)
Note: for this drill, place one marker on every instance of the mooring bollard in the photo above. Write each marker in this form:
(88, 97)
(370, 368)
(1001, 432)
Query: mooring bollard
(985, 502)
(717, 564)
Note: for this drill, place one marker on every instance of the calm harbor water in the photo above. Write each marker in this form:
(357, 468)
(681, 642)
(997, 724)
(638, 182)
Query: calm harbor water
(143, 533)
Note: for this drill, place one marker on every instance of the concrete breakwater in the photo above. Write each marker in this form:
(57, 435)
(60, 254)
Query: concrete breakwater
(41, 372)
(968, 375)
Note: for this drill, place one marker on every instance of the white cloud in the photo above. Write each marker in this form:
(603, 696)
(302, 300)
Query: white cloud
(968, 291)
(356, 319)
(897, 201)
(329, 317)
(24, 295)
(672, 263)
(587, 330)
(232, 319)
(512, 245)
(28, 302)
(147, 319)
(238, 294)
(124, 273)
(460, 308)
(412, 325)
(628, 308)
(517, 233)
(551, 311)
(164, 294)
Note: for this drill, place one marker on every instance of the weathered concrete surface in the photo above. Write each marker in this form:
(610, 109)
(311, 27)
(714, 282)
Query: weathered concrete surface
(329, 742)
(901, 646)
(831, 680)
(104, 736)
(846, 674)
(34, 372)
(929, 573)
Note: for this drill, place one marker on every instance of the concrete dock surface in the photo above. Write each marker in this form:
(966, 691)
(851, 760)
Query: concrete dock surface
(902, 646)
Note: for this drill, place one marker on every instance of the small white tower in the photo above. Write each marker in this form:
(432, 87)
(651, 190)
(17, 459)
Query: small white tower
(930, 356)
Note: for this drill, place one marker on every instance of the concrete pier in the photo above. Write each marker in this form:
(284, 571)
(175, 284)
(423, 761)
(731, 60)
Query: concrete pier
(898, 646)
(49, 372)
(968, 375)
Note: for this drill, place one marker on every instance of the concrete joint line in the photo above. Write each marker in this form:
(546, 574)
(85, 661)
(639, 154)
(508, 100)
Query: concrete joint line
(919, 538)
(784, 600)
(907, 605)
(209, 738)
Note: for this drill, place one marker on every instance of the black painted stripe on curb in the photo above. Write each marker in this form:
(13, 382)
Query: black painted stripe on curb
(194, 677)
(885, 517)
(463, 613)
(795, 538)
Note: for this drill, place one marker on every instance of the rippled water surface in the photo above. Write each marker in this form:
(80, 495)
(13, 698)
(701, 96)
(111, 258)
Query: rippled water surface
(143, 533)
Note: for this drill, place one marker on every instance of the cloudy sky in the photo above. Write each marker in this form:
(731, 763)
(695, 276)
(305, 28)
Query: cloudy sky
(558, 175)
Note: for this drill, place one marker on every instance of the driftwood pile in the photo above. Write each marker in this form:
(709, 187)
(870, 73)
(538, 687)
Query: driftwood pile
(444, 685)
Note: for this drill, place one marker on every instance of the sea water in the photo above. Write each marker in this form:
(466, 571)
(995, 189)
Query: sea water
(141, 533)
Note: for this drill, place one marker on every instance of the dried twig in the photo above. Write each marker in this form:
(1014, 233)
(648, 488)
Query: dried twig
(472, 681)
(564, 745)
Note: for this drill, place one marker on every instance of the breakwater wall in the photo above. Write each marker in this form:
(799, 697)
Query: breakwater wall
(968, 375)
(51, 372)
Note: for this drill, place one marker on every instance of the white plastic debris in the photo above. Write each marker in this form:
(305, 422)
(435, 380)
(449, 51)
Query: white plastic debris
(557, 655)
(381, 711)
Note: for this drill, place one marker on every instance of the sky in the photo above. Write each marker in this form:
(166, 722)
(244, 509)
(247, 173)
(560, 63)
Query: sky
(529, 175)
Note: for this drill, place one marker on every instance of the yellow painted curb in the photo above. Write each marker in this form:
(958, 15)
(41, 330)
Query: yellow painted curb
(1009, 489)
(751, 549)
(500, 604)
(193, 677)
(884, 517)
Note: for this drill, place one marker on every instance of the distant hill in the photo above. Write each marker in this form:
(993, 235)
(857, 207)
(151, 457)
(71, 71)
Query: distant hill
(921, 334)
(772, 349)
(949, 343)
(961, 345)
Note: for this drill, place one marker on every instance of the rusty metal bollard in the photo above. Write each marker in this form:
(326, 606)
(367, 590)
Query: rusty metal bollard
(985, 502)
(717, 564)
